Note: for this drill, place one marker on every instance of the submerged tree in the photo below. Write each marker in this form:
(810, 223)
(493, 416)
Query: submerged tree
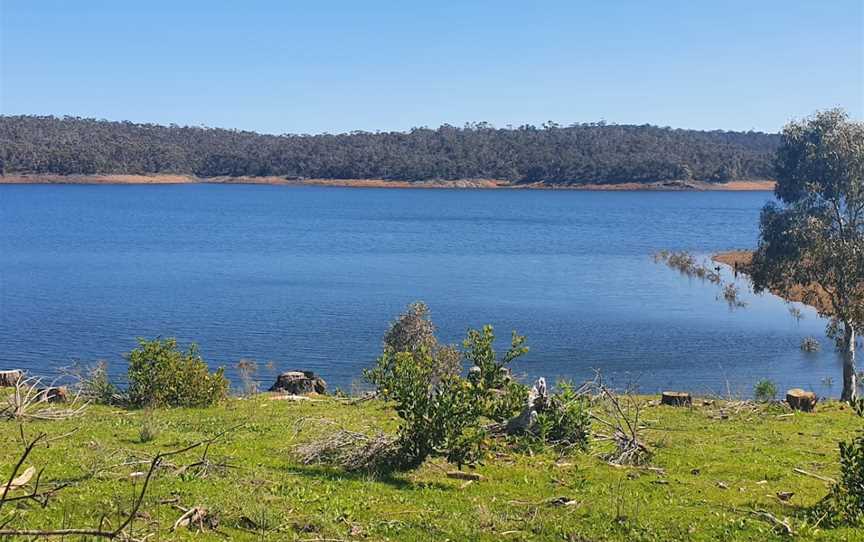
(813, 240)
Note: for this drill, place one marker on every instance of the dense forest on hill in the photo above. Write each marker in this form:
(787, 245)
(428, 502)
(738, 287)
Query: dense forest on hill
(581, 153)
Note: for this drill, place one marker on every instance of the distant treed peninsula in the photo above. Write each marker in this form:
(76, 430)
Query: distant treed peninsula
(553, 155)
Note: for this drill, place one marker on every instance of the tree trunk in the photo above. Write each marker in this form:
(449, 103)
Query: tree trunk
(850, 385)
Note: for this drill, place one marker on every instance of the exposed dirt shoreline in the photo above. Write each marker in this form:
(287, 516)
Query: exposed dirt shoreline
(812, 295)
(382, 183)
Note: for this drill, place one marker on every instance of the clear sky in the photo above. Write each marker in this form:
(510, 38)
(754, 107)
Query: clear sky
(326, 66)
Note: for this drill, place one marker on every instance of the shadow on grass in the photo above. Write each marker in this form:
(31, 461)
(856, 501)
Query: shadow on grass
(332, 474)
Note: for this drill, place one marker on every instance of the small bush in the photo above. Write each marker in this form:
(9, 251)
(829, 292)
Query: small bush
(765, 391)
(502, 404)
(504, 397)
(566, 419)
(845, 504)
(160, 374)
(440, 414)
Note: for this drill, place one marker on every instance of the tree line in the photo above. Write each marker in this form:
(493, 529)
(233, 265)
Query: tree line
(579, 153)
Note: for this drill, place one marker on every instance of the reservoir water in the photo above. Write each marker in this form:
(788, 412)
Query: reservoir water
(309, 277)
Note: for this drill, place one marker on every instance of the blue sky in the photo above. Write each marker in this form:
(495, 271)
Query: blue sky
(326, 66)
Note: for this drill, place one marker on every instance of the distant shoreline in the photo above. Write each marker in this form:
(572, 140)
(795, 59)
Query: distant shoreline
(668, 186)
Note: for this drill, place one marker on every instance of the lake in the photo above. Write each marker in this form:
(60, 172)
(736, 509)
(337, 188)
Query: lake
(309, 277)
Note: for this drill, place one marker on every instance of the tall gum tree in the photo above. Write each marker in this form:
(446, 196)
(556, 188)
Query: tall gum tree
(812, 239)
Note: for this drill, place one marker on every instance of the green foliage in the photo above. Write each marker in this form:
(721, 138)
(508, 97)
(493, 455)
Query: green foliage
(566, 419)
(845, 504)
(815, 234)
(765, 391)
(504, 403)
(584, 153)
(504, 397)
(519, 492)
(160, 374)
(480, 351)
(439, 414)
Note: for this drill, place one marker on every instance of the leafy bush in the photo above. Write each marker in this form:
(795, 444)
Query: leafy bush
(160, 374)
(504, 397)
(566, 419)
(765, 391)
(845, 503)
(440, 414)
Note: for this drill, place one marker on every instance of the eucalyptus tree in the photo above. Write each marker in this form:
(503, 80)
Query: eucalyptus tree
(812, 240)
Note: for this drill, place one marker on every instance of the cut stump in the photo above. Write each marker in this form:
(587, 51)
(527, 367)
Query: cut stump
(676, 398)
(9, 378)
(799, 399)
(299, 383)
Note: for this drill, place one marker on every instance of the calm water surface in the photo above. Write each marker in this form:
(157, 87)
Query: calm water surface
(308, 278)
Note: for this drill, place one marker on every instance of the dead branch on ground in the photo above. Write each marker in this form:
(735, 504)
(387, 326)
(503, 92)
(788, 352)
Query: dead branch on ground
(42, 497)
(622, 418)
(29, 399)
(350, 450)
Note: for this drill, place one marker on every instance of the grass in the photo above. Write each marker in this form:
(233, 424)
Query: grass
(714, 470)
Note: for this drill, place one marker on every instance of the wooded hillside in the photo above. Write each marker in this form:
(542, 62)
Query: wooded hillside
(584, 153)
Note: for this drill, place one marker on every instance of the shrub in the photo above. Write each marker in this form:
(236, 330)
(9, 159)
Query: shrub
(765, 391)
(845, 503)
(439, 414)
(160, 374)
(566, 419)
(504, 397)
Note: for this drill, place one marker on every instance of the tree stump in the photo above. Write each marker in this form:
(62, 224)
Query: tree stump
(676, 398)
(799, 399)
(299, 383)
(10, 378)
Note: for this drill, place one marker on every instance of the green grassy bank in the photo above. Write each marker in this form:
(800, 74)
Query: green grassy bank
(716, 469)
